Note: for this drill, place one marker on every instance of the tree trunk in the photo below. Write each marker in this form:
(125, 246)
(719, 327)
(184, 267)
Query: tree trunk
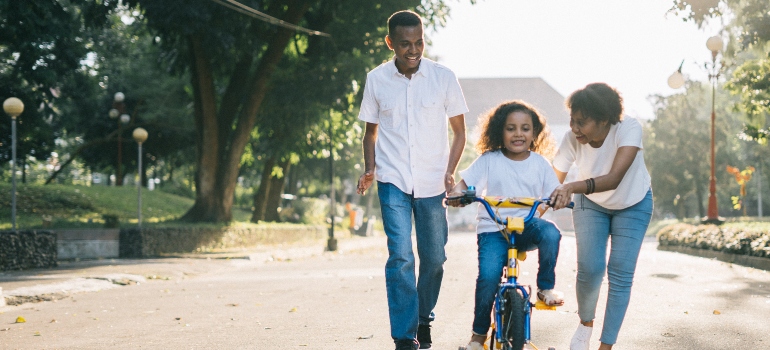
(260, 197)
(219, 159)
(277, 185)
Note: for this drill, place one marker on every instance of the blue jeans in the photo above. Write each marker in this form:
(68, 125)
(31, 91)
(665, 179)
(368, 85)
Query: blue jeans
(625, 229)
(411, 302)
(493, 257)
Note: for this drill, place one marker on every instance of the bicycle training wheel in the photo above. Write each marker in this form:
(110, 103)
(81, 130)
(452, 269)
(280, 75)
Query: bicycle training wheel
(514, 314)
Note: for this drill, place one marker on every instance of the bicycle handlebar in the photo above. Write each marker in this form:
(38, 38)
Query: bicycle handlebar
(469, 196)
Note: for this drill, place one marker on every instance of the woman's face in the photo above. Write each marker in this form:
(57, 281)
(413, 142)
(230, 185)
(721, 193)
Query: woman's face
(588, 130)
(518, 134)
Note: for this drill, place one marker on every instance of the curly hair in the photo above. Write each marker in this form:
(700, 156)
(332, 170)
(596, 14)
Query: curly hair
(597, 101)
(493, 127)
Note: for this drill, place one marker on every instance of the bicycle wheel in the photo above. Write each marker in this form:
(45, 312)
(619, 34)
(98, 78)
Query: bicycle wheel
(514, 315)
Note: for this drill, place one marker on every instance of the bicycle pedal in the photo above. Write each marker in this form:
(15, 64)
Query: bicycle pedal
(541, 305)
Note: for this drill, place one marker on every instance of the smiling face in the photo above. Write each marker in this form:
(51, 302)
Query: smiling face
(518, 134)
(407, 43)
(588, 130)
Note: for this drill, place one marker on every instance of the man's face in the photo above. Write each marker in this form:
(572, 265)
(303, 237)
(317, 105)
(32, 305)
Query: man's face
(407, 43)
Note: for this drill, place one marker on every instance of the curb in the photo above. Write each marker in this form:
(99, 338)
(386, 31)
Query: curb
(743, 260)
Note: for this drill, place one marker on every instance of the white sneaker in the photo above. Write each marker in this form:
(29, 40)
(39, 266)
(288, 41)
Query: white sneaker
(581, 339)
(473, 346)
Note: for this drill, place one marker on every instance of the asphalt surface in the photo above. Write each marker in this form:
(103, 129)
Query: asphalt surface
(305, 298)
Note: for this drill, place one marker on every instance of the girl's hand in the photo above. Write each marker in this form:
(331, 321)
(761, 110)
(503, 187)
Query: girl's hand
(454, 202)
(561, 196)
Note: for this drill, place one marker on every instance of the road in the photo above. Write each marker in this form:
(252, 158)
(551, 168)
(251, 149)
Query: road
(336, 300)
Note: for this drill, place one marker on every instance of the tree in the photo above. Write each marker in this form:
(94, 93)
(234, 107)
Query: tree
(41, 46)
(231, 59)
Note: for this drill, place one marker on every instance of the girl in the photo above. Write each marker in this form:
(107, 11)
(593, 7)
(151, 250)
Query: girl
(613, 201)
(509, 165)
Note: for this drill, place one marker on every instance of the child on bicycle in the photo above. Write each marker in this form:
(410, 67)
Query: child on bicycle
(512, 145)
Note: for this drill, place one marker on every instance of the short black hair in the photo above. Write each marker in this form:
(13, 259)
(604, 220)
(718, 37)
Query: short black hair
(597, 101)
(404, 18)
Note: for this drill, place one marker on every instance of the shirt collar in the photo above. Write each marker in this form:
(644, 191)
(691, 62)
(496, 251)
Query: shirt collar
(423, 70)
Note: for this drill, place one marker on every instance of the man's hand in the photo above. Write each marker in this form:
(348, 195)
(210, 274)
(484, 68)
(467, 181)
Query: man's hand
(449, 182)
(364, 182)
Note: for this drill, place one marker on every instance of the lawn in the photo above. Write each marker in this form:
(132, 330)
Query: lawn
(70, 206)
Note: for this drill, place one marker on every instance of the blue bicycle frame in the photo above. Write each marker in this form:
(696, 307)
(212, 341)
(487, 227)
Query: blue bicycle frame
(512, 227)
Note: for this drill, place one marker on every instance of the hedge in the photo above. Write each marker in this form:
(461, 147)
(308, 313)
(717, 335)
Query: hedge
(751, 240)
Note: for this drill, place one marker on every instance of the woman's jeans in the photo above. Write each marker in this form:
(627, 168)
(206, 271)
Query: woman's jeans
(493, 257)
(593, 226)
(411, 302)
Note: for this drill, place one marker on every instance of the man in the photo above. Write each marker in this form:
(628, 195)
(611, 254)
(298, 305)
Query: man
(405, 106)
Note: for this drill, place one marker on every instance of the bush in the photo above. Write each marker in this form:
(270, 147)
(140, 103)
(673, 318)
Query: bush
(737, 238)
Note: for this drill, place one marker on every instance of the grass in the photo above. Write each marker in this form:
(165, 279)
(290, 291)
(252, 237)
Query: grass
(71, 206)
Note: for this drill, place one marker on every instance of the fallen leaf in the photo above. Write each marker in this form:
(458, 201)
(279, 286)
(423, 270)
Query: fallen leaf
(367, 337)
(53, 321)
(716, 312)
(294, 309)
(5, 329)
(232, 304)
(177, 318)
(20, 319)
(37, 334)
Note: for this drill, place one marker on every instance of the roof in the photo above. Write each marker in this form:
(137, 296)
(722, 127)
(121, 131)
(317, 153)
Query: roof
(483, 94)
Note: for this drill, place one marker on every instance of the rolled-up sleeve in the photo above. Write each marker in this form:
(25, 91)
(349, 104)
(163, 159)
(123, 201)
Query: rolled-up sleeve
(369, 111)
(454, 104)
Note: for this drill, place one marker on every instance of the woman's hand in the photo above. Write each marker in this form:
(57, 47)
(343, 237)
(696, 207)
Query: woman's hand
(561, 196)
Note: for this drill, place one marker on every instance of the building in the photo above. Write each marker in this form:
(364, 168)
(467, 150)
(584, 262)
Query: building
(483, 94)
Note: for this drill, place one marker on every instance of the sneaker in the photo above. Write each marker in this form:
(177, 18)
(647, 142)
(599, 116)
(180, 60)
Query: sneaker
(473, 346)
(551, 297)
(406, 344)
(581, 339)
(423, 336)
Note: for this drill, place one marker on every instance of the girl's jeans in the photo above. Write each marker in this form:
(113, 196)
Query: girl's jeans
(493, 256)
(625, 228)
(411, 302)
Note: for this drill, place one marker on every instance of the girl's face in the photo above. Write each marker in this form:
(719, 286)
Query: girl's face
(588, 130)
(518, 134)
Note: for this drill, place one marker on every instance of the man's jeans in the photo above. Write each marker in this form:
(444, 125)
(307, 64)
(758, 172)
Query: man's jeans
(493, 256)
(411, 302)
(594, 225)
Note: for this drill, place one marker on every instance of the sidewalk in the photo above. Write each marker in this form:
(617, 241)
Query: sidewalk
(70, 277)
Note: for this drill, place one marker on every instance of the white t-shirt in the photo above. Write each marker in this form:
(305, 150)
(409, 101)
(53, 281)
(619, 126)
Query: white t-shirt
(593, 162)
(412, 147)
(494, 174)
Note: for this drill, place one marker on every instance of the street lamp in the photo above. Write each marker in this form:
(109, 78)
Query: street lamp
(676, 80)
(714, 44)
(118, 110)
(13, 107)
(140, 135)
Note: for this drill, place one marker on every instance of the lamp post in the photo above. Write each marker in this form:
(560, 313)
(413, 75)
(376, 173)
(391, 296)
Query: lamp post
(676, 80)
(119, 110)
(714, 44)
(13, 106)
(332, 242)
(140, 135)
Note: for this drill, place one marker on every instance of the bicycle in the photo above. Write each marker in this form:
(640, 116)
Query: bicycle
(513, 308)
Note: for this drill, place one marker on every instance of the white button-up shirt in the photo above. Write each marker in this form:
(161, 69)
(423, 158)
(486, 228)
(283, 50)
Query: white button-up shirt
(412, 147)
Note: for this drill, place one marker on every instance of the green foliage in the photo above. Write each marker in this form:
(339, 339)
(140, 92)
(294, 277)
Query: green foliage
(41, 46)
(78, 205)
(677, 152)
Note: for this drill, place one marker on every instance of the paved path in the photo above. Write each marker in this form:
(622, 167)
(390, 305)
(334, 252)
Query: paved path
(313, 300)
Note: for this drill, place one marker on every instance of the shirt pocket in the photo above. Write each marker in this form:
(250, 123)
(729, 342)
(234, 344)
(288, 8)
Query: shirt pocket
(388, 115)
(431, 111)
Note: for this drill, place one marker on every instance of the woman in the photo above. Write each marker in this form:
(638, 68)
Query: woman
(613, 201)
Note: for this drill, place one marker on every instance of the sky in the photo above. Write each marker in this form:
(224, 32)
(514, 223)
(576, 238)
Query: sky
(631, 45)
